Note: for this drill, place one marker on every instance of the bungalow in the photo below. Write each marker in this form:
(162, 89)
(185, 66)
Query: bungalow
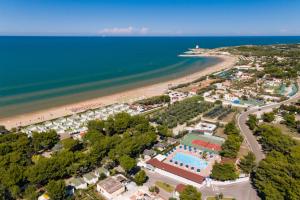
(110, 187)
(171, 141)
(78, 183)
(148, 154)
(101, 170)
(90, 178)
(160, 146)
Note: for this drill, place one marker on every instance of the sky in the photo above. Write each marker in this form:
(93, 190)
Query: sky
(150, 17)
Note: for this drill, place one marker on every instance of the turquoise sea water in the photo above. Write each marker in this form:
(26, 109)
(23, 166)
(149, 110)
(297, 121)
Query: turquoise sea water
(41, 72)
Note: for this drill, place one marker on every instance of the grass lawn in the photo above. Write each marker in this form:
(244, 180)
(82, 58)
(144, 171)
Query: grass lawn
(214, 198)
(164, 186)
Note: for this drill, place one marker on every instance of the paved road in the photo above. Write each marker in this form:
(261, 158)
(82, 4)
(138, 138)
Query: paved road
(251, 141)
(240, 191)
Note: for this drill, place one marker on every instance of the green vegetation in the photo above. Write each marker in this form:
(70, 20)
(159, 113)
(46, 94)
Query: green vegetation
(252, 122)
(56, 190)
(268, 117)
(44, 141)
(154, 189)
(70, 144)
(164, 186)
(140, 178)
(231, 146)
(277, 176)
(247, 163)
(127, 163)
(271, 138)
(190, 193)
(224, 172)
(181, 112)
(119, 139)
(218, 111)
(155, 100)
(217, 198)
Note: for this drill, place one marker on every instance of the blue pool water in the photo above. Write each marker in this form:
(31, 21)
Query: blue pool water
(190, 160)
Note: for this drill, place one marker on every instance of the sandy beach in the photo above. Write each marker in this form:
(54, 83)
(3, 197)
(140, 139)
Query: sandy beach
(121, 97)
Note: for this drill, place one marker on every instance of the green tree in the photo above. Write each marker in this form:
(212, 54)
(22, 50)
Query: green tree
(30, 193)
(231, 146)
(121, 122)
(164, 131)
(190, 193)
(252, 122)
(247, 163)
(127, 163)
(290, 120)
(140, 178)
(44, 141)
(95, 125)
(268, 117)
(70, 144)
(230, 128)
(224, 172)
(154, 189)
(56, 190)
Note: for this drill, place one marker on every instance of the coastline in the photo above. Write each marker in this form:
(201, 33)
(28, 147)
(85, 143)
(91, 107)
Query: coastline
(125, 96)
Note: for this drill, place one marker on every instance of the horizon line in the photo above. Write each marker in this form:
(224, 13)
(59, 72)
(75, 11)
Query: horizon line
(149, 36)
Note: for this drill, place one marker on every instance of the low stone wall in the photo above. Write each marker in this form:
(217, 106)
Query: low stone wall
(220, 183)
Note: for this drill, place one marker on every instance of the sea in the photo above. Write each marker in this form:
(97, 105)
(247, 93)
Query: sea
(43, 72)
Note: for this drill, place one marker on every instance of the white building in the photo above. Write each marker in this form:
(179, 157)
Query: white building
(90, 178)
(78, 183)
(205, 128)
(110, 188)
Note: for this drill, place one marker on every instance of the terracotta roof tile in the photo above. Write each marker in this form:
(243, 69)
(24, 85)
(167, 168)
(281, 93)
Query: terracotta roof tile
(177, 171)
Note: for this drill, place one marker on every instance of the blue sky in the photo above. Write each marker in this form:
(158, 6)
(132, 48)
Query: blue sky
(153, 17)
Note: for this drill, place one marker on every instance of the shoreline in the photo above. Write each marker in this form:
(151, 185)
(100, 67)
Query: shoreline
(125, 96)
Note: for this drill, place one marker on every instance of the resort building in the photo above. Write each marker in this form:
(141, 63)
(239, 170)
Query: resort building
(78, 183)
(110, 187)
(90, 178)
(176, 173)
(101, 170)
(203, 128)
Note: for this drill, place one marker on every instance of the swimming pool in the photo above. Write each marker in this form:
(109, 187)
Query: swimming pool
(190, 160)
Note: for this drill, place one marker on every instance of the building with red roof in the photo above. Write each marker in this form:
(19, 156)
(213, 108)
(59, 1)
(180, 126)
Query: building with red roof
(174, 172)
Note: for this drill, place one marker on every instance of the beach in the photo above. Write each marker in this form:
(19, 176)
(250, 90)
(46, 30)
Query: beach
(126, 96)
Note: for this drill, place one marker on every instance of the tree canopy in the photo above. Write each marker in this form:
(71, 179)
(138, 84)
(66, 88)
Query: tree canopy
(56, 190)
(247, 163)
(140, 178)
(224, 172)
(190, 193)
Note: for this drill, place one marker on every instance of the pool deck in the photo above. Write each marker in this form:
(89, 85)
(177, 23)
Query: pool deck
(210, 159)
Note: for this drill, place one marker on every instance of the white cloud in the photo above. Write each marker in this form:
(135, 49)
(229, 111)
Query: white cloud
(124, 31)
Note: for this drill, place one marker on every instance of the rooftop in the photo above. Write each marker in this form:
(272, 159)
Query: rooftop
(77, 181)
(110, 185)
(177, 171)
(89, 176)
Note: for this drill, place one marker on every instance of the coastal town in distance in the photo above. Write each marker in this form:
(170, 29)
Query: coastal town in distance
(150, 100)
